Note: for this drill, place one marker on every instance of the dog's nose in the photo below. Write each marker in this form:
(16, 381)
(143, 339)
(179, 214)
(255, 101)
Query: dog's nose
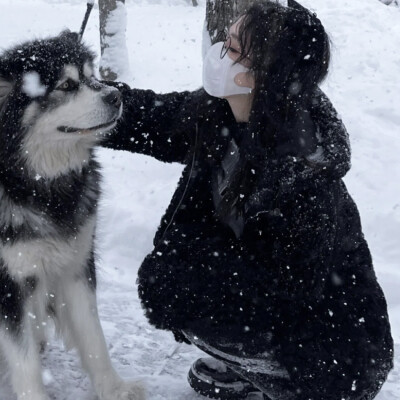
(113, 98)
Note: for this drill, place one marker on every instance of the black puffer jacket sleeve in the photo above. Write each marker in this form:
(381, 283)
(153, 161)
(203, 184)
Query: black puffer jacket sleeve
(160, 125)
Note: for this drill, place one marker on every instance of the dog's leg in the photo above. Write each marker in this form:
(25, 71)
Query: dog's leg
(23, 360)
(17, 341)
(41, 317)
(80, 322)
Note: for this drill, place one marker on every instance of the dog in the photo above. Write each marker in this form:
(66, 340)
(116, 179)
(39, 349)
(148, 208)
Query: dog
(53, 111)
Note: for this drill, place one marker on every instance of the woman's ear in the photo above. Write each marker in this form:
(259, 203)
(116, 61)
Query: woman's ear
(245, 79)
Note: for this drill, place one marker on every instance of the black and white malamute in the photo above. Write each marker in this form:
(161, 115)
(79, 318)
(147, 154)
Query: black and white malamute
(52, 113)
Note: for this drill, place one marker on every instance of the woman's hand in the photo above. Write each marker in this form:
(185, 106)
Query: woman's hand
(118, 85)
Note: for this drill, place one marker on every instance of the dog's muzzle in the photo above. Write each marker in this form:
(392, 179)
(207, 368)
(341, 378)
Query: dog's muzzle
(113, 99)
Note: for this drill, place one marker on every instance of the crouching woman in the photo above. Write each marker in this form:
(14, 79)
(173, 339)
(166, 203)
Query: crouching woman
(260, 259)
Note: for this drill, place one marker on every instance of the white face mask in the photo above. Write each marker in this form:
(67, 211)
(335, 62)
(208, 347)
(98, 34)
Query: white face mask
(219, 74)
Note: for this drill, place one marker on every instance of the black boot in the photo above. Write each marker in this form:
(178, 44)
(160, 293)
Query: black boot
(212, 378)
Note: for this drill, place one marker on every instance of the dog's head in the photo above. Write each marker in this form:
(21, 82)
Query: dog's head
(52, 108)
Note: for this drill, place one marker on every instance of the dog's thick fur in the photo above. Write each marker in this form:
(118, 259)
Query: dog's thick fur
(52, 113)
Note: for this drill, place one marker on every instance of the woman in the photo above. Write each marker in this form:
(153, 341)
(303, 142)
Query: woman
(260, 259)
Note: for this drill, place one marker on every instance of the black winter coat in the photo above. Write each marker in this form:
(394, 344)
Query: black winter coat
(301, 272)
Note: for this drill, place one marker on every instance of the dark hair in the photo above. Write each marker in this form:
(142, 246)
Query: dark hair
(289, 52)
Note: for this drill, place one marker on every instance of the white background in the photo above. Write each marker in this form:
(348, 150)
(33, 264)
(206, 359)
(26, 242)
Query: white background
(164, 46)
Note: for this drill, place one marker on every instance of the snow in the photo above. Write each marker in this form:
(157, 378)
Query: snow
(164, 46)
(32, 86)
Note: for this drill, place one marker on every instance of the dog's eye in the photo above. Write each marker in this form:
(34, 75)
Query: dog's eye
(68, 85)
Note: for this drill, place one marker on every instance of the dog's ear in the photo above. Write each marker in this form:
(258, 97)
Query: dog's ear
(6, 86)
(68, 35)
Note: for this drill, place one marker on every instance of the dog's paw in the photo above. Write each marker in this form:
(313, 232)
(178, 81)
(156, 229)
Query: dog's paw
(130, 390)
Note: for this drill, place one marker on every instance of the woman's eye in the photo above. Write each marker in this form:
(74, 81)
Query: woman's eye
(232, 50)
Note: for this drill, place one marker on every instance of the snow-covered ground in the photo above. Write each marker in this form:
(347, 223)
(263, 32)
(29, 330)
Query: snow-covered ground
(164, 44)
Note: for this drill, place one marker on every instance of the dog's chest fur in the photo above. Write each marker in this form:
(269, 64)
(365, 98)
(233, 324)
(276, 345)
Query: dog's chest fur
(50, 234)
(49, 257)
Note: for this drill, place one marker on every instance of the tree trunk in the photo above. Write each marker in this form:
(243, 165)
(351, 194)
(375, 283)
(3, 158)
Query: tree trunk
(114, 58)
